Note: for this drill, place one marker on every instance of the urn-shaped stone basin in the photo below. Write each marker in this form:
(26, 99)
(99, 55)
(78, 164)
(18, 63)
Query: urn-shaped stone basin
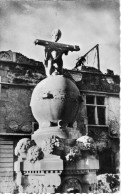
(55, 99)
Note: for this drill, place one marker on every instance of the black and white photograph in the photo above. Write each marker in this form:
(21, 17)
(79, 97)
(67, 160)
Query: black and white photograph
(59, 96)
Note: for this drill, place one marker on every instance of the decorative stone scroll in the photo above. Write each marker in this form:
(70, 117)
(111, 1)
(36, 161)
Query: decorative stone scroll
(5, 56)
(71, 185)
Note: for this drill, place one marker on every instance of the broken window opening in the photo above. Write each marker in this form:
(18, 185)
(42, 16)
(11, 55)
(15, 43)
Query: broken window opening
(96, 110)
(91, 115)
(90, 99)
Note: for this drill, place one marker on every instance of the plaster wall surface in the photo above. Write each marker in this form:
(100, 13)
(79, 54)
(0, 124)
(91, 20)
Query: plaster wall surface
(114, 114)
(15, 112)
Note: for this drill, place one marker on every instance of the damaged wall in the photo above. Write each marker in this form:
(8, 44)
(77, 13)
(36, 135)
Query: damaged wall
(19, 74)
(19, 69)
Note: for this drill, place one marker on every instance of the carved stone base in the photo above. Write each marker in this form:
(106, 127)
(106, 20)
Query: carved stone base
(41, 177)
(46, 183)
(66, 165)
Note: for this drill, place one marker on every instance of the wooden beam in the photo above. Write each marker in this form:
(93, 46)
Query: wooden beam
(6, 151)
(6, 160)
(6, 142)
(8, 169)
(4, 155)
(6, 147)
(98, 57)
(9, 165)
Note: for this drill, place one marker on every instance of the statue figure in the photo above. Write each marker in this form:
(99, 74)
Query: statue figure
(53, 59)
(80, 62)
(54, 52)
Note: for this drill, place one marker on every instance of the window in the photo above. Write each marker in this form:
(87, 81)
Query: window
(96, 110)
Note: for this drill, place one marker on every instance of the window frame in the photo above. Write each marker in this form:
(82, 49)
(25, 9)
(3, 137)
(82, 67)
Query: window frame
(95, 105)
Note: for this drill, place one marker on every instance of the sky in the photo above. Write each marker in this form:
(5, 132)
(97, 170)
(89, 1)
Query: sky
(82, 22)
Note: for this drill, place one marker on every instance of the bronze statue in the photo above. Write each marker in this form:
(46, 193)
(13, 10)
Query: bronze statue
(53, 53)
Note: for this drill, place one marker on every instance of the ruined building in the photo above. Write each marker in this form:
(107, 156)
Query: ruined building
(98, 114)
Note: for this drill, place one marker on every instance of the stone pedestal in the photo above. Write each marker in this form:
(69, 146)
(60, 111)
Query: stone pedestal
(55, 159)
